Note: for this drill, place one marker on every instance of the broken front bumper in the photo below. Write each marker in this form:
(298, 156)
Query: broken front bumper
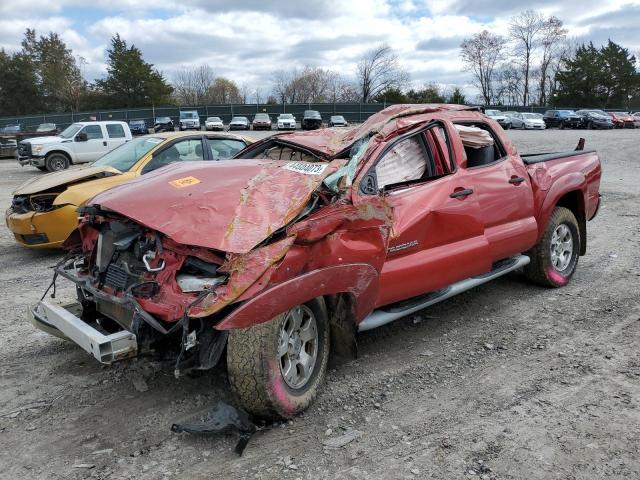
(61, 322)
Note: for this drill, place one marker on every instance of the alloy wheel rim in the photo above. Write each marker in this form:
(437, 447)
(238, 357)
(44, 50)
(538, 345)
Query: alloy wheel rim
(561, 247)
(298, 346)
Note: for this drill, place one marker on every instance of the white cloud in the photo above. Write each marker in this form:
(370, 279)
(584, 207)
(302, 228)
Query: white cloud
(247, 40)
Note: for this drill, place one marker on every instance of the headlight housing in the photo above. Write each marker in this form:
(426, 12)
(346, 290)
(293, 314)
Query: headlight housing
(37, 148)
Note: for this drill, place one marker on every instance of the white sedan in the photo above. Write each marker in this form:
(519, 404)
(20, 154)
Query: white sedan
(529, 121)
(213, 123)
(286, 121)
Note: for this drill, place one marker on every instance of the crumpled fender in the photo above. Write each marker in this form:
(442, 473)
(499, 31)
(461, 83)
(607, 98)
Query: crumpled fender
(563, 185)
(359, 279)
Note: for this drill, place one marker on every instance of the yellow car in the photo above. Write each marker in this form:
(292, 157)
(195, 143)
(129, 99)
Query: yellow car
(44, 210)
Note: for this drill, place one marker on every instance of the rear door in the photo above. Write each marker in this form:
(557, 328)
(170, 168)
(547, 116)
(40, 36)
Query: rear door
(93, 147)
(184, 150)
(116, 135)
(437, 233)
(223, 148)
(504, 193)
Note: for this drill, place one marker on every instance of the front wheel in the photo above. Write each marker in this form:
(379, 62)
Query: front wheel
(275, 368)
(56, 162)
(555, 258)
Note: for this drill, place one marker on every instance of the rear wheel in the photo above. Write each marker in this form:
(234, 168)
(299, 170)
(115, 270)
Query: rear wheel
(555, 258)
(56, 162)
(275, 368)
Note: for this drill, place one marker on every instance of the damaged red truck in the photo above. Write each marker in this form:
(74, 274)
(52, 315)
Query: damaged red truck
(283, 255)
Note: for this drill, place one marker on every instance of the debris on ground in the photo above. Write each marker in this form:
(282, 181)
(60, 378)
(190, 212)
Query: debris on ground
(222, 418)
(337, 442)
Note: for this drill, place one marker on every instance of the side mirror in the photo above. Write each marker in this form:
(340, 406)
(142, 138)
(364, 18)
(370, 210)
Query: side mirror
(81, 137)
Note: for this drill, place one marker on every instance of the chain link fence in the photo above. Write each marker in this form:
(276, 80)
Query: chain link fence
(352, 112)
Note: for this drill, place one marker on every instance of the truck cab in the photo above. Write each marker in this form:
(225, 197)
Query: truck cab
(80, 142)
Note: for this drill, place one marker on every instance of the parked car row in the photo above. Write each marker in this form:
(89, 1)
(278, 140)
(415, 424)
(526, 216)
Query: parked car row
(190, 120)
(585, 118)
(13, 128)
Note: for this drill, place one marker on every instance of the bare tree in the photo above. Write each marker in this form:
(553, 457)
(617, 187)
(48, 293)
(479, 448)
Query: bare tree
(302, 86)
(481, 55)
(244, 92)
(553, 35)
(280, 84)
(379, 70)
(525, 30)
(191, 85)
(509, 84)
(224, 91)
(258, 95)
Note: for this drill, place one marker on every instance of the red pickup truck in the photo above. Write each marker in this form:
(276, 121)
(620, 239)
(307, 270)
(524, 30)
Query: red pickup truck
(283, 256)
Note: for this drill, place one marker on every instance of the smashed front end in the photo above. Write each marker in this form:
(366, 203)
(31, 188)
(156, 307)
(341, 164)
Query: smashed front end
(138, 291)
(166, 274)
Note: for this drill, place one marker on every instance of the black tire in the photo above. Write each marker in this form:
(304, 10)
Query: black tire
(562, 125)
(590, 126)
(55, 162)
(255, 370)
(542, 269)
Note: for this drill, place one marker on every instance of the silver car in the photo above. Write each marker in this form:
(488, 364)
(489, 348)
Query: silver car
(525, 120)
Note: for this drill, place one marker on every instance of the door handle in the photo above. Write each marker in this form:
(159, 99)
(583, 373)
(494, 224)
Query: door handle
(461, 193)
(516, 180)
(104, 142)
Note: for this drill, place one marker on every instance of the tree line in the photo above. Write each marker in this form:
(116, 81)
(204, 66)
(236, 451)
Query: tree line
(537, 64)
(534, 64)
(44, 76)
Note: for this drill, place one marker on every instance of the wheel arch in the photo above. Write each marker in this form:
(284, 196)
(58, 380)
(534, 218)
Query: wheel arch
(572, 197)
(349, 290)
(59, 151)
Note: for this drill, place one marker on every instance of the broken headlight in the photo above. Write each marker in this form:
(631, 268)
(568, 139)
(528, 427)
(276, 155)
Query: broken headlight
(197, 275)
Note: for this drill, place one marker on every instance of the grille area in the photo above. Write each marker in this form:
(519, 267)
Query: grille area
(24, 149)
(116, 277)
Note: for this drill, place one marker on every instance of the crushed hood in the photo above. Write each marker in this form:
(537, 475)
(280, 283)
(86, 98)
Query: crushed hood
(229, 206)
(329, 142)
(65, 177)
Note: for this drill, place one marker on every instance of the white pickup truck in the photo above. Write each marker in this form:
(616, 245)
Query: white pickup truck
(80, 142)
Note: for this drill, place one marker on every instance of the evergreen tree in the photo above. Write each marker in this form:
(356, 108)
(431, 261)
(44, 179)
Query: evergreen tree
(595, 77)
(457, 97)
(391, 95)
(19, 92)
(130, 81)
(57, 74)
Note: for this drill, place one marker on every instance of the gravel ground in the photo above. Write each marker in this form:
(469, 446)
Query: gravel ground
(507, 381)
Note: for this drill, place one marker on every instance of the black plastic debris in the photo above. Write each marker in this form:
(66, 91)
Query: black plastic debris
(221, 419)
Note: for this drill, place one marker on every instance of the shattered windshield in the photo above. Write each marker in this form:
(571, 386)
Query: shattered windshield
(126, 156)
(348, 171)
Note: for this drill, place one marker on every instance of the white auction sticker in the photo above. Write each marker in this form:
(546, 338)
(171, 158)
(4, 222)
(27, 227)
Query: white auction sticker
(306, 167)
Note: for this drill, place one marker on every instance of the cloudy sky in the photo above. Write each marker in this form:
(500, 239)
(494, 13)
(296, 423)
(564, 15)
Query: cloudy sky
(247, 40)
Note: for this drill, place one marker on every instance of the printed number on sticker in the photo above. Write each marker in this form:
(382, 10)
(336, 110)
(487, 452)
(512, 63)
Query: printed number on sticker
(305, 167)
(184, 182)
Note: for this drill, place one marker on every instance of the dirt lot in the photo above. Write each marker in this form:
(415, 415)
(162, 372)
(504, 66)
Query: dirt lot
(507, 381)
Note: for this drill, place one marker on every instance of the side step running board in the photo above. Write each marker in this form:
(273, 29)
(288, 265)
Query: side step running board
(388, 314)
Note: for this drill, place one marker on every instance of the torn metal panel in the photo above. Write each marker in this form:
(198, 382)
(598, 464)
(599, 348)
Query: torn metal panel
(330, 142)
(232, 207)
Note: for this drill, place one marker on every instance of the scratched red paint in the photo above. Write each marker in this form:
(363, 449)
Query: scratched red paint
(239, 217)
